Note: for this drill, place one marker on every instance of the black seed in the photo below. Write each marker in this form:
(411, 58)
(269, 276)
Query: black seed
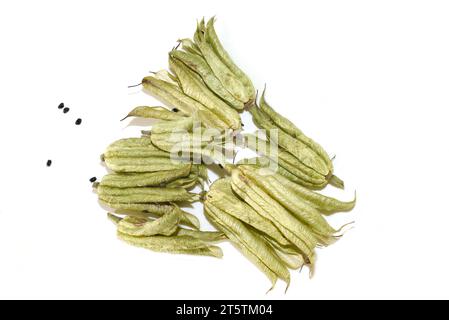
(48, 163)
(78, 121)
(65, 110)
(61, 105)
(175, 110)
(93, 179)
(220, 165)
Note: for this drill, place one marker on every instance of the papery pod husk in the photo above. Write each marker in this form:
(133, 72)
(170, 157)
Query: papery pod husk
(144, 194)
(166, 225)
(290, 128)
(141, 165)
(173, 96)
(296, 147)
(250, 244)
(226, 76)
(198, 64)
(173, 244)
(193, 86)
(206, 236)
(292, 229)
(147, 210)
(151, 179)
(154, 113)
(221, 196)
(212, 38)
(287, 164)
(302, 210)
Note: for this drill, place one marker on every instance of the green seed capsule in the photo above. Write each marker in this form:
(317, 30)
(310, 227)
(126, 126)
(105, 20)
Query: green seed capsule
(173, 244)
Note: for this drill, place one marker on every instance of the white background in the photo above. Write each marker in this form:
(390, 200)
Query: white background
(367, 79)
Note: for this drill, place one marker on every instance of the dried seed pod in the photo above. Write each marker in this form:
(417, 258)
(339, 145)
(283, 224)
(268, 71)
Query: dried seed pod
(225, 70)
(173, 244)
(151, 179)
(212, 38)
(292, 229)
(197, 64)
(206, 236)
(309, 215)
(189, 46)
(145, 210)
(223, 198)
(166, 225)
(144, 195)
(187, 183)
(149, 164)
(288, 127)
(115, 219)
(131, 143)
(326, 205)
(193, 86)
(154, 113)
(250, 244)
(173, 96)
(288, 165)
(296, 147)
(179, 125)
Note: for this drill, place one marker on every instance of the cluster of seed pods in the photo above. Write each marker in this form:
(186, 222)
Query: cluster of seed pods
(275, 222)
(275, 218)
(145, 189)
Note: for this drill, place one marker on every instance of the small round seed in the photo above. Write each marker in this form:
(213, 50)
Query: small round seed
(78, 121)
(48, 163)
(175, 110)
(65, 110)
(61, 105)
(93, 179)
